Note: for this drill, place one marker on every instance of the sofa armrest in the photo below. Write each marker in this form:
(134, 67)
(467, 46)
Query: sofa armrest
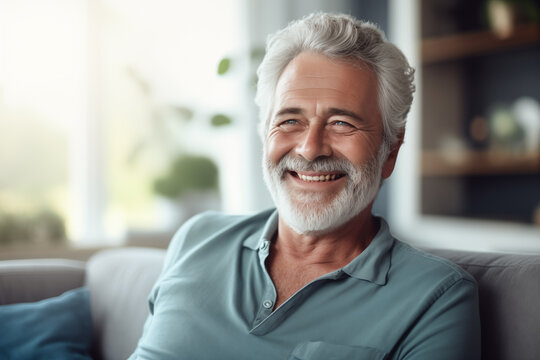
(38, 279)
(120, 281)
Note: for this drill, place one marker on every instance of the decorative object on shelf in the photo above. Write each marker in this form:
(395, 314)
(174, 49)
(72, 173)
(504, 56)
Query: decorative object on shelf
(453, 149)
(506, 132)
(501, 17)
(526, 111)
(516, 127)
(504, 15)
(479, 130)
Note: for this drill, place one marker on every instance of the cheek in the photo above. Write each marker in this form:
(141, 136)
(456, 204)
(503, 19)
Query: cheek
(277, 146)
(357, 149)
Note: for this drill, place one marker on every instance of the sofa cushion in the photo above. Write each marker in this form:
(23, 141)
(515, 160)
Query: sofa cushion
(509, 294)
(120, 281)
(55, 328)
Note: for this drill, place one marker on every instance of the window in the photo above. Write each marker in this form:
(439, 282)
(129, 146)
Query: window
(97, 100)
(43, 82)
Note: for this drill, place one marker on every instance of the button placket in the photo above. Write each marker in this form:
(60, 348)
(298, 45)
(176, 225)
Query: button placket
(268, 297)
(265, 309)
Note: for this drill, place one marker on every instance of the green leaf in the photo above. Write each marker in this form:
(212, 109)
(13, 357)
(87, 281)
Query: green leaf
(224, 66)
(220, 120)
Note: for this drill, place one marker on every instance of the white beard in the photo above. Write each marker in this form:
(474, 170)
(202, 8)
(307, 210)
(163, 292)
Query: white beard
(318, 213)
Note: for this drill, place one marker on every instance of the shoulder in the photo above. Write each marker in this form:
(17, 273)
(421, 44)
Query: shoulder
(209, 226)
(427, 269)
(441, 302)
(211, 223)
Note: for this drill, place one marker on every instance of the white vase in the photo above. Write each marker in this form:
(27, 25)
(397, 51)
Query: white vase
(171, 213)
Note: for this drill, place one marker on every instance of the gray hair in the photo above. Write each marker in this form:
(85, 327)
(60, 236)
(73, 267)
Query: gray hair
(340, 37)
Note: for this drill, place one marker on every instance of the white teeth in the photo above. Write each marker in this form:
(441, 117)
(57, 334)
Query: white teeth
(317, 178)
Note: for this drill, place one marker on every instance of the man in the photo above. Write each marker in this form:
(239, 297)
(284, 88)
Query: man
(320, 278)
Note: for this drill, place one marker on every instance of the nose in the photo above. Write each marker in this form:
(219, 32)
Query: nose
(313, 143)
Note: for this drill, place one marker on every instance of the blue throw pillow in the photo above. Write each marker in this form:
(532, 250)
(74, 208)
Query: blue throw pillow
(54, 328)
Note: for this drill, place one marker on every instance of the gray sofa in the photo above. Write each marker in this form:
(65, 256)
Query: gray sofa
(120, 280)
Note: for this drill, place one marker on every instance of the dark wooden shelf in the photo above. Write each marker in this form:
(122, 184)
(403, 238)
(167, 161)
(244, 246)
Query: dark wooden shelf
(458, 46)
(479, 163)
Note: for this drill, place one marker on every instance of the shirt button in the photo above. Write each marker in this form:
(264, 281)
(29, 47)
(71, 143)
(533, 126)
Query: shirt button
(265, 245)
(268, 304)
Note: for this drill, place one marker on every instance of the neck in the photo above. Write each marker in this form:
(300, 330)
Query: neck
(333, 249)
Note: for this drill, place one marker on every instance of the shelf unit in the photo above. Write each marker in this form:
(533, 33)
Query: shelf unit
(467, 163)
(457, 66)
(459, 46)
(460, 71)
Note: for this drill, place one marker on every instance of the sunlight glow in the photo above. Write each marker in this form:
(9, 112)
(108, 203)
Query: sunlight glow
(42, 57)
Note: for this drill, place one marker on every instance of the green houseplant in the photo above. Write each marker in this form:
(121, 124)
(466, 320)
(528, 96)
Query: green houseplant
(187, 173)
(189, 186)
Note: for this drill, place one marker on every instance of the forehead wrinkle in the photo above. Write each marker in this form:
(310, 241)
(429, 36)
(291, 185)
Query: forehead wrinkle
(317, 86)
(324, 103)
(309, 92)
(295, 75)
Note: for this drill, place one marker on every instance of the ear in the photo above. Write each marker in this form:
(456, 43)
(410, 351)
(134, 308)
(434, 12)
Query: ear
(390, 162)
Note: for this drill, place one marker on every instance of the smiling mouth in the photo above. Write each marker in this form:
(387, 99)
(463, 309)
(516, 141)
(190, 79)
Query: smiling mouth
(317, 177)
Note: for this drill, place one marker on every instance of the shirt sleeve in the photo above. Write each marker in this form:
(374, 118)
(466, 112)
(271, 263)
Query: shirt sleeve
(144, 349)
(449, 329)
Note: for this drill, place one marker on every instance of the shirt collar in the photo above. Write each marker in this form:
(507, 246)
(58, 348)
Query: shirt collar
(371, 265)
(257, 240)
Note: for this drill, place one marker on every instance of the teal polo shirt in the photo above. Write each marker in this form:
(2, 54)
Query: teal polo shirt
(214, 300)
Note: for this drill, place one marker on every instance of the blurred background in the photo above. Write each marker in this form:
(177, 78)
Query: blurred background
(120, 119)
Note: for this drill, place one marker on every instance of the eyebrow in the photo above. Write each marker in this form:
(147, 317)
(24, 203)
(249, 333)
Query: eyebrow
(289, 111)
(330, 112)
(351, 114)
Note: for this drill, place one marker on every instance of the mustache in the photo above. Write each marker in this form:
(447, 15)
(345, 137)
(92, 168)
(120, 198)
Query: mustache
(289, 163)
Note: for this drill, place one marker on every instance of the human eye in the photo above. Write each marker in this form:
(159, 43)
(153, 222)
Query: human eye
(288, 123)
(342, 126)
